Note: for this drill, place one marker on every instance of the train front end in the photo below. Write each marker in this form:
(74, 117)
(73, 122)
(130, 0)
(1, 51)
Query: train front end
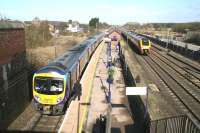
(49, 92)
(145, 46)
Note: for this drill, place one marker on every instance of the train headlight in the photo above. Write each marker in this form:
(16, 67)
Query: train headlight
(59, 99)
(37, 98)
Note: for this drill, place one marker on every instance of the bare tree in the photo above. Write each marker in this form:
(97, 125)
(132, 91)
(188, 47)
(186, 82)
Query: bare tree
(2, 17)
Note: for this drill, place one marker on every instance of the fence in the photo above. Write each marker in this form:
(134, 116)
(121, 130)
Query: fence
(176, 124)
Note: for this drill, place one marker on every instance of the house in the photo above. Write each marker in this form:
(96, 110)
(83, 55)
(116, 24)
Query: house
(74, 27)
(36, 21)
(52, 28)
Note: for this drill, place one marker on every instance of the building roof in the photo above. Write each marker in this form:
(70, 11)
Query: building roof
(11, 25)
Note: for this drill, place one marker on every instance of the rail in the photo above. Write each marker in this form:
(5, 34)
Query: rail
(175, 124)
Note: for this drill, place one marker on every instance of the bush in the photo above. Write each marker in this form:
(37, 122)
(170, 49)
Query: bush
(36, 35)
(193, 37)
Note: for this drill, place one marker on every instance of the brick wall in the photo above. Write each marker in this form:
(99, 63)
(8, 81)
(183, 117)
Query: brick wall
(14, 91)
(12, 42)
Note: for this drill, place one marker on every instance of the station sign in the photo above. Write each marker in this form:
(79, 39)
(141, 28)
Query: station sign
(136, 90)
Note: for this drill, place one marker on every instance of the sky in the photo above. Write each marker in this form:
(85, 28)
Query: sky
(111, 11)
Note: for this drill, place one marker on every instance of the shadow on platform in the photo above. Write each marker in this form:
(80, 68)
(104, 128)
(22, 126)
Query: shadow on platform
(20, 131)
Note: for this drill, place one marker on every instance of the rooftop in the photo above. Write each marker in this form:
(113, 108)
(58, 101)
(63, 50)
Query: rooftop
(4, 24)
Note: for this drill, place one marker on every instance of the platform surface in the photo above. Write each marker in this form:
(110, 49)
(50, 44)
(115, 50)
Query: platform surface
(121, 118)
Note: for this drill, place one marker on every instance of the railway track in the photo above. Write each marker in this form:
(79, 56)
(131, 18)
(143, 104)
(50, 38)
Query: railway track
(181, 79)
(177, 73)
(184, 70)
(184, 63)
(47, 123)
(191, 103)
(44, 123)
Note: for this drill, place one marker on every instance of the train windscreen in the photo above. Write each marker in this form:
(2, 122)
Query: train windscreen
(49, 86)
(145, 42)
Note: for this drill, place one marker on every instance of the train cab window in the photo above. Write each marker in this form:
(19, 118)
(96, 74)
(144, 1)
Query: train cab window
(41, 84)
(49, 86)
(145, 42)
(56, 85)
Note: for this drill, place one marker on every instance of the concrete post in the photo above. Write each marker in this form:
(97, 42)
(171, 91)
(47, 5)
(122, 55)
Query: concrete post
(108, 119)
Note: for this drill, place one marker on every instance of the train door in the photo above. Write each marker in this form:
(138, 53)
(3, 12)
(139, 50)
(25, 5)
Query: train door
(68, 86)
(77, 71)
(88, 53)
(140, 46)
(72, 77)
(80, 65)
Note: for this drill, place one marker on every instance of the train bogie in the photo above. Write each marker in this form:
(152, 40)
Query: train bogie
(50, 109)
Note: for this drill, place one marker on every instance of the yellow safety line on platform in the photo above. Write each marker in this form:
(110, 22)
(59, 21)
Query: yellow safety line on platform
(122, 42)
(89, 92)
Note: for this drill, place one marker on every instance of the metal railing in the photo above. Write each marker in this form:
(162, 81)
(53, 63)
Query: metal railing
(176, 124)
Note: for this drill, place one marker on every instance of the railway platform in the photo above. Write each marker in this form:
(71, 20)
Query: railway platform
(121, 117)
(81, 115)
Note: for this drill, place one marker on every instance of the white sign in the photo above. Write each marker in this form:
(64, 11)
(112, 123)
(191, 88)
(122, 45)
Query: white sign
(136, 90)
(107, 40)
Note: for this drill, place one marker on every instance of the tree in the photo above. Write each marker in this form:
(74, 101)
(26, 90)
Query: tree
(3, 17)
(132, 25)
(94, 22)
(36, 35)
(193, 37)
(103, 25)
(70, 21)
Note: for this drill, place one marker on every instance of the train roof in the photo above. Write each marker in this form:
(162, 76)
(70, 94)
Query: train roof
(66, 62)
(137, 37)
